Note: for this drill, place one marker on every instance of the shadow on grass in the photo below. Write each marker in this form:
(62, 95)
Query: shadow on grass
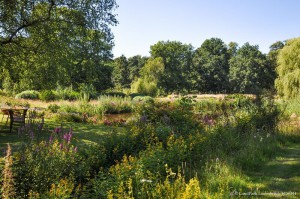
(281, 175)
(84, 134)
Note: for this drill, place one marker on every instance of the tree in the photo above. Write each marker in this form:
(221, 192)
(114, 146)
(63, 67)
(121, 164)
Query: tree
(121, 73)
(232, 48)
(45, 42)
(272, 58)
(248, 70)
(18, 17)
(151, 75)
(288, 69)
(211, 63)
(135, 64)
(177, 59)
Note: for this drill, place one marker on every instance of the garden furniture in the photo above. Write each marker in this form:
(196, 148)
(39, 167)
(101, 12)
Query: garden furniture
(16, 116)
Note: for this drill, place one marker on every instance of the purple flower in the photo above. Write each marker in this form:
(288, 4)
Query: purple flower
(66, 136)
(144, 118)
(70, 136)
(61, 146)
(75, 149)
(208, 120)
(57, 130)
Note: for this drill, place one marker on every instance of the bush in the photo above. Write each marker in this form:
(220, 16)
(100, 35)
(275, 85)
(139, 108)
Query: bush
(68, 117)
(47, 95)
(3, 93)
(29, 94)
(146, 99)
(145, 87)
(66, 93)
(53, 108)
(113, 105)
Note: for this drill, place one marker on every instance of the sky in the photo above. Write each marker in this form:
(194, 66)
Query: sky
(142, 23)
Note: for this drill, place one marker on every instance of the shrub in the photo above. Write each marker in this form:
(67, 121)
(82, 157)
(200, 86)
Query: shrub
(66, 93)
(53, 108)
(113, 105)
(87, 91)
(47, 95)
(3, 93)
(29, 94)
(146, 99)
(145, 87)
(68, 117)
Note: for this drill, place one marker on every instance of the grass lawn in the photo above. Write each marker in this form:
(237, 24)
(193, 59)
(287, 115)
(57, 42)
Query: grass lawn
(281, 175)
(84, 134)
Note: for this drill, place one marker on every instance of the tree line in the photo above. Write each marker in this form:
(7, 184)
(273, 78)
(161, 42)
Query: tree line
(214, 67)
(50, 44)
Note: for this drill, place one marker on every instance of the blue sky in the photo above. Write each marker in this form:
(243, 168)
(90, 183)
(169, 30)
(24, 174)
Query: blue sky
(143, 23)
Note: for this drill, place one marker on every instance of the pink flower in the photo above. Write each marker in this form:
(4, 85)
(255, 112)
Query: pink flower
(57, 130)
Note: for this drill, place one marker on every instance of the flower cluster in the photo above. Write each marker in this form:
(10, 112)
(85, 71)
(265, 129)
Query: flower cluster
(208, 120)
(68, 136)
(65, 139)
(57, 130)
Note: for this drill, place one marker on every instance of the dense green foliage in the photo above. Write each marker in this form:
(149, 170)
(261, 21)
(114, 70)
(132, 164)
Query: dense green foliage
(214, 67)
(211, 62)
(177, 59)
(151, 77)
(249, 70)
(45, 42)
(288, 69)
(66, 43)
(121, 73)
(273, 57)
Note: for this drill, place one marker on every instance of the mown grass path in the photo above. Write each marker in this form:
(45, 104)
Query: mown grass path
(280, 177)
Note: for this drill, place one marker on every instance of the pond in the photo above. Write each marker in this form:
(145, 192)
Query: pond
(117, 117)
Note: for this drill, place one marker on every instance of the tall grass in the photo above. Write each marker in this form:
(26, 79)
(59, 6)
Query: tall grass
(167, 151)
(79, 110)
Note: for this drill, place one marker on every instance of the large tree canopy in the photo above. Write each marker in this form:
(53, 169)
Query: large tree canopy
(211, 63)
(248, 70)
(288, 69)
(18, 17)
(121, 73)
(177, 59)
(48, 41)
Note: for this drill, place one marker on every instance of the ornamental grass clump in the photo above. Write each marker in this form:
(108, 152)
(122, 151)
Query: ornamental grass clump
(116, 104)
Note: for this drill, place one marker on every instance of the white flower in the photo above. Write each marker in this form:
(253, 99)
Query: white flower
(145, 180)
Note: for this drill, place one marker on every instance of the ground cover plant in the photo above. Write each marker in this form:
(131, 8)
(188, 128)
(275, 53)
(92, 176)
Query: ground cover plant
(177, 149)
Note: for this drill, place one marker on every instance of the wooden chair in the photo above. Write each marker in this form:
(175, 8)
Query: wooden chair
(17, 116)
(5, 112)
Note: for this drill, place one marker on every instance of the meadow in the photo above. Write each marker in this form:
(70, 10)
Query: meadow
(176, 147)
